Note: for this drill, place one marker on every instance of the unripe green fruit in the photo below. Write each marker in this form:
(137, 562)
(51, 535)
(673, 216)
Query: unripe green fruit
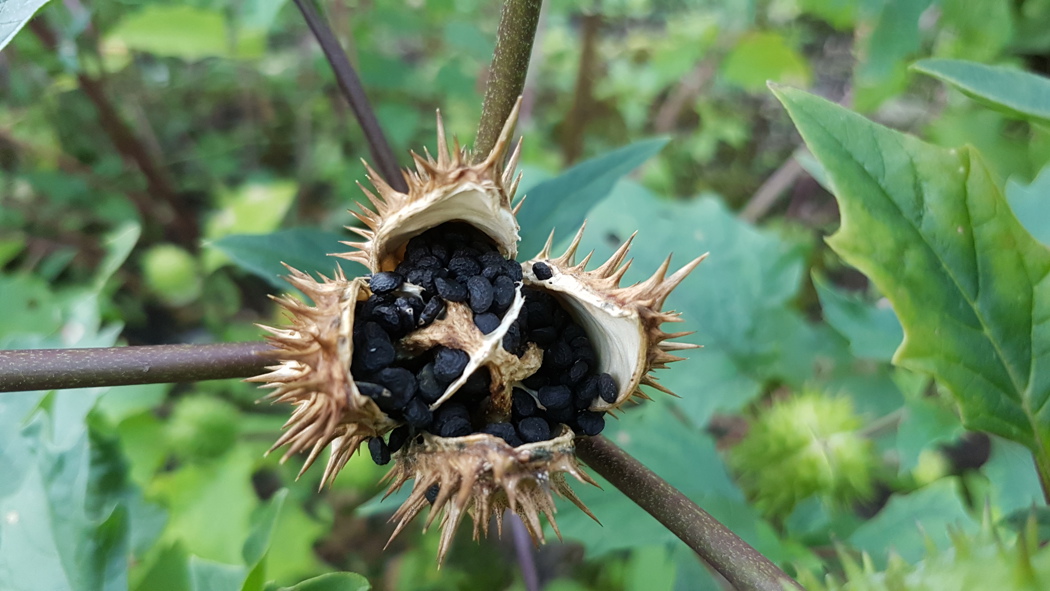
(985, 560)
(172, 274)
(801, 447)
(202, 427)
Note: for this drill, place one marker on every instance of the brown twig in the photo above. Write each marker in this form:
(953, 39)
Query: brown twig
(163, 204)
(575, 124)
(743, 566)
(510, 65)
(766, 196)
(683, 95)
(49, 369)
(350, 84)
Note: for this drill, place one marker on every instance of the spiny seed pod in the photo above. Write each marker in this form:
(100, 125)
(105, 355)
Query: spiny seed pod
(987, 559)
(473, 372)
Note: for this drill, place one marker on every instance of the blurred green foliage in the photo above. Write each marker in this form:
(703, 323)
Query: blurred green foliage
(669, 131)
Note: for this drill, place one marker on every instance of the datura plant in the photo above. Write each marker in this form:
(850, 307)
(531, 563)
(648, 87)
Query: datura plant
(471, 371)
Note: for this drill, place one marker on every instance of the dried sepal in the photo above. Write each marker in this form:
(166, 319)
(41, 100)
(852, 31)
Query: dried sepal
(449, 188)
(314, 371)
(482, 476)
(624, 322)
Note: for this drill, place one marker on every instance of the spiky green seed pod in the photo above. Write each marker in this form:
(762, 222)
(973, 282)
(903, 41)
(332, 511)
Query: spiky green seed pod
(989, 559)
(805, 446)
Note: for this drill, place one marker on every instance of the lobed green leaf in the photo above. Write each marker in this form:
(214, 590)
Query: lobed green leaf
(935, 234)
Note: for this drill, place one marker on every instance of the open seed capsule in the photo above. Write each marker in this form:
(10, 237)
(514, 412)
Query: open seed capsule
(479, 370)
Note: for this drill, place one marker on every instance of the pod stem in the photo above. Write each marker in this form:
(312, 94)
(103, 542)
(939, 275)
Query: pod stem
(49, 369)
(510, 65)
(350, 84)
(743, 566)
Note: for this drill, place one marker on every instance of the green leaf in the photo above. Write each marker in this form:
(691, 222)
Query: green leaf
(1031, 205)
(926, 423)
(208, 575)
(872, 332)
(210, 505)
(183, 32)
(1012, 479)
(14, 14)
(908, 522)
(934, 233)
(653, 435)
(302, 248)
(738, 301)
(257, 546)
(332, 582)
(1008, 90)
(564, 200)
(761, 56)
(64, 525)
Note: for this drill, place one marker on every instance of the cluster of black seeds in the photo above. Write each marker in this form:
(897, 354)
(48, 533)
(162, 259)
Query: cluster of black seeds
(456, 263)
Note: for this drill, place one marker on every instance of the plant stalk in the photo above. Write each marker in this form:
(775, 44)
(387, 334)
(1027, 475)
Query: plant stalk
(1042, 468)
(49, 369)
(510, 65)
(161, 198)
(743, 566)
(350, 84)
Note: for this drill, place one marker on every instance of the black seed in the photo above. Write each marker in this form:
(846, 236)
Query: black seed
(387, 317)
(512, 338)
(416, 249)
(385, 282)
(398, 437)
(492, 272)
(585, 393)
(451, 410)
(536, 381)
(543, 336)
(462, 266)
(428, 262)
(476, 387)
(607, 388)
(503, 292)
(480, 293)
(590, 423)
(486, 323)
(542, 271)
(449, 364)
(512, 269)
(451, 290)
(577, 371)
(432, 493)
(555, 397)
(429, 387)
(541, 314)
(401, 384)
(561, 415)
(533, 429)
(378, 351)
(571, 333)
(559, 356)
(408, 308)
(455, 427)
(491, 258)
(433, 310)
(418, 414)
(379, 450)
(422, 277)
(522, 404)
(440, 252)
(371, 390)
(504, 431)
